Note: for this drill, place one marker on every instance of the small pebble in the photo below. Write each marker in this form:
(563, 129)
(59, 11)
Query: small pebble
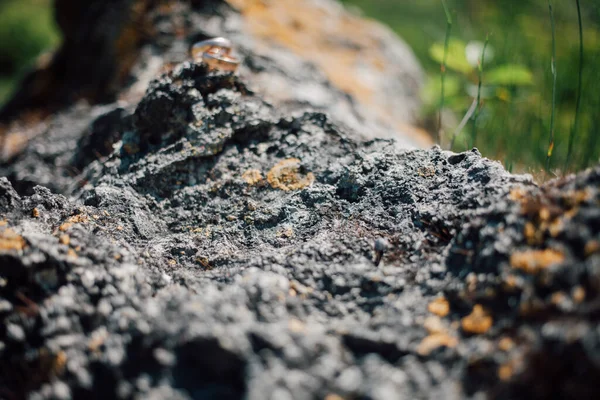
(15, 333)
(381, 246)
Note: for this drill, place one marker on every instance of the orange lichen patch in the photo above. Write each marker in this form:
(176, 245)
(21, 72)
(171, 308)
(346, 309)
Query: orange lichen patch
(506, 371)
(578, 294)
(434, 325)
(511, 282)
(439, 306)
(533, 261)
(556, 227)
(557, 298)
(3, 222)
(591, 247)
(426, 172)
(531, 234)
(345, 47)
(75, 219)
(10, 240)
(333, 396)
(64, 239)
(478, 322)
(35, 213)
(252, 177)
(517, 194)
(435, 341)
(286, 175)
(286, 233)
(60, 361)
(575, 198)
(506, 344)
(71, 253)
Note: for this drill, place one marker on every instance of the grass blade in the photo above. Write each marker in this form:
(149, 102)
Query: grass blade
(443, 67)
(575, 128)
(480, 77)
(553, 66)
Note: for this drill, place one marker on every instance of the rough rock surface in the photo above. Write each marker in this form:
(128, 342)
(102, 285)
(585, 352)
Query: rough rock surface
(204, 242)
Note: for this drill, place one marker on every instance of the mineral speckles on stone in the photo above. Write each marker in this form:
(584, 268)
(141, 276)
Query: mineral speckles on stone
(186, 280)
(287, 175)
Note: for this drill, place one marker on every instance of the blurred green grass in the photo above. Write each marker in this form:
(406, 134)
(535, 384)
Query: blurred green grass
(513, 124)
(26, 29)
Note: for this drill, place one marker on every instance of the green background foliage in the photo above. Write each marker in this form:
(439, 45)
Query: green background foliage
(514, 119)
(26, 30)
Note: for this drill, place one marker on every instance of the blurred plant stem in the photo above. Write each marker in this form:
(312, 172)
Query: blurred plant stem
(443, 68)
(575, 128)
(478, 103)
(553, 67)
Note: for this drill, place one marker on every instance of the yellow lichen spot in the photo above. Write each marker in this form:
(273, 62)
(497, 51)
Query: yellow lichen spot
(172, 262)
(506, 344)
(557, 298)
(511, 282)
(506, 371)
(80, 218)
(478, 322)
(203, 261)
(286, 175)
(60, 361)
(435, 341)
(530, 233)
(252, 177)
(556, 227)
(286, 233)
(426, 172)
(75, 219)
(591, 247)
(296, 326)
(35, 213)
(439, 306)
(71, 253)
(544, 214)
(578, 294)
(517, 194)
(434, 325)
(64, 239)
(533, 261)
(10, 240)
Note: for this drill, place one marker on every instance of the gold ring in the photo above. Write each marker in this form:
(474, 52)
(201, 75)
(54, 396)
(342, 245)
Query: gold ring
(198, 49)
(216, 59)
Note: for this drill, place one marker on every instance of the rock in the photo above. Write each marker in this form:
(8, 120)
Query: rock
(224, 247)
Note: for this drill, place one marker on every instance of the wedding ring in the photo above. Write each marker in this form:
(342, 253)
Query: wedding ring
(216, 59)
(220, 43)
